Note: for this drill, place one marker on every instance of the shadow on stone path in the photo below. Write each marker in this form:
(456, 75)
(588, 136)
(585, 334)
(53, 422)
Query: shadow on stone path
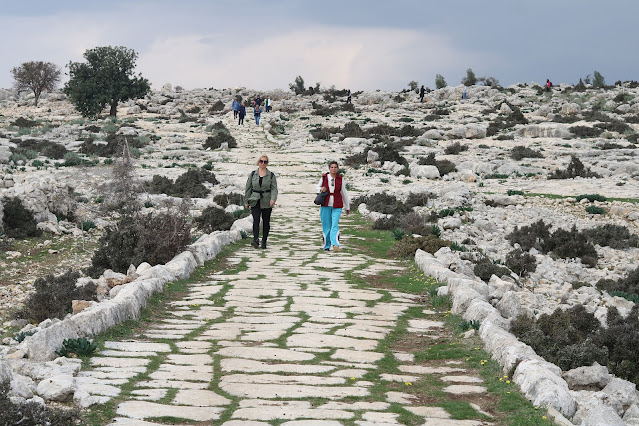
(285, 338)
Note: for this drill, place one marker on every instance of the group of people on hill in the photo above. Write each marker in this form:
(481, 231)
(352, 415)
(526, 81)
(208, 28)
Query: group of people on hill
(239, 109)
(260, 195)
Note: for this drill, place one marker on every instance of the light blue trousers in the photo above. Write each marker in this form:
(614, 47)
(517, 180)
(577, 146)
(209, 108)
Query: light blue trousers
(330, 225)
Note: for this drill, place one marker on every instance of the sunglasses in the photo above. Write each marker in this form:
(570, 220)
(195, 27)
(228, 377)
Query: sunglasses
(264, 161)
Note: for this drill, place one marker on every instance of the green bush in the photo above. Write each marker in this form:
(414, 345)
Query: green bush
(629, 284)
(80, 347)
(32, 413)
(53, 296)
(443, 166)
(19, 337)
(595, 210)
(563, 337)
(72, 159)
(485, 269)
(519, 152)
(520, 262)
(592, 197)
(87, 225)
(614, 236)
(585, 131)
(514, 192)
(575, 168)
(418, 199)
(188, 185)
(116, 248)
(18, 222)
(48, 149)
(385, 203)
(214, 219)
(218, 138)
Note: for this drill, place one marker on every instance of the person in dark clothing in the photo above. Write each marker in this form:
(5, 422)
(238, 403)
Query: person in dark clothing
(422, 91)
(348, 96)
(260, 195)
(242, 113)
(236, 107)
(258, 101)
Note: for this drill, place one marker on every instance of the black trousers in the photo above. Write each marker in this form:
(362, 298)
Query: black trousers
(266, 222)
(241, 120)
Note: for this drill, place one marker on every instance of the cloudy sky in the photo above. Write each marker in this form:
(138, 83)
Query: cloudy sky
(357, 44)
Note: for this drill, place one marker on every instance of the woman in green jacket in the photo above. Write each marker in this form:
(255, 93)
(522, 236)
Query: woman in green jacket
(260, 194)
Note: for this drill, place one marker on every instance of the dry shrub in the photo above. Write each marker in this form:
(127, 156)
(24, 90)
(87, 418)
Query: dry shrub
(214, 219)
(521, 263)
(32, 413)
(53, 296)
(575, 168)
(485, 269)
(18, 222)
(225, 200)
(152, 238)
(519, 152)
(407, 246)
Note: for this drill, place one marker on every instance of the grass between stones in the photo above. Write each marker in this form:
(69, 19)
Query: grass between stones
(157, 309)
(446, 347)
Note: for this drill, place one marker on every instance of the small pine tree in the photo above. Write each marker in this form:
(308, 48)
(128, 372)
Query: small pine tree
(413, 86)
(440, 81)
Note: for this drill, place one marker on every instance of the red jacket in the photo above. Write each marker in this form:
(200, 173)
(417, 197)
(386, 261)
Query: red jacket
(338, 203)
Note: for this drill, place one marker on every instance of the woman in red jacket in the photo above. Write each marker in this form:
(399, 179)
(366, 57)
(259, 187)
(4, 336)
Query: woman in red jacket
(331, 210)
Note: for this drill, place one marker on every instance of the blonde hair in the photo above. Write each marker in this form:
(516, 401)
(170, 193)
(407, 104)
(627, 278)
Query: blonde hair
(262, 156)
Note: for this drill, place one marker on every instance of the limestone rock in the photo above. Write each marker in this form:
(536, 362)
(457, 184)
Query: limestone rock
(57, 388)
(570, 109)
(622, 390)
(603, 415)
(590, 377)
(115, 278)
(427, 172)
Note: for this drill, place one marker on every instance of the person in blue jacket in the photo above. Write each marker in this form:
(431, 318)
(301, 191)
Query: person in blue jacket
(257, 112)
(241, 113)
(236, 108)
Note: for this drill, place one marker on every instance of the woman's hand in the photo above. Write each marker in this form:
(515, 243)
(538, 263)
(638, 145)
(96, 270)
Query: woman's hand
(323, 189)
(272, 203)
(246, 206)
(348, 212)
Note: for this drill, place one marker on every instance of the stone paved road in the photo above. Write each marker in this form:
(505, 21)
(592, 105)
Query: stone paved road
(268, 342)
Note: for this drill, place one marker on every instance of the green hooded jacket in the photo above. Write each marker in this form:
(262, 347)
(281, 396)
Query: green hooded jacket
(268, 188)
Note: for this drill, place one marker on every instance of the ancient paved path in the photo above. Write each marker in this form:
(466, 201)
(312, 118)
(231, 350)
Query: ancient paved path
(285, 339)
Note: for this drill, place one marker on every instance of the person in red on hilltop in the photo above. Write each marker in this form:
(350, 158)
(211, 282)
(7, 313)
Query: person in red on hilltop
(548, 85)
(335, 202)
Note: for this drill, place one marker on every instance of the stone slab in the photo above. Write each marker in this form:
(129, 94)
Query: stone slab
(144, 410)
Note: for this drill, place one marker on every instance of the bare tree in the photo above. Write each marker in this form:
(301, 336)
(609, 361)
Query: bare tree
(37, 76)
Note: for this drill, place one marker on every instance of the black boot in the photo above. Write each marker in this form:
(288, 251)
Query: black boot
(255, 243)
(263, 243)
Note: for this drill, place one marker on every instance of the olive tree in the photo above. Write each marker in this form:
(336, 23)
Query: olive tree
(106, 78)
(36, 76)
(440, 81)
(470, 79)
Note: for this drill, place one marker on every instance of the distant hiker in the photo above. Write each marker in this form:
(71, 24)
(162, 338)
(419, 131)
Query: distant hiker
(257, 112)
(464, 94)
(348, 97)
(241, 113)
(422, 92)
(258, 101)
(236, 108)
(267, 104)
(548, 85)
